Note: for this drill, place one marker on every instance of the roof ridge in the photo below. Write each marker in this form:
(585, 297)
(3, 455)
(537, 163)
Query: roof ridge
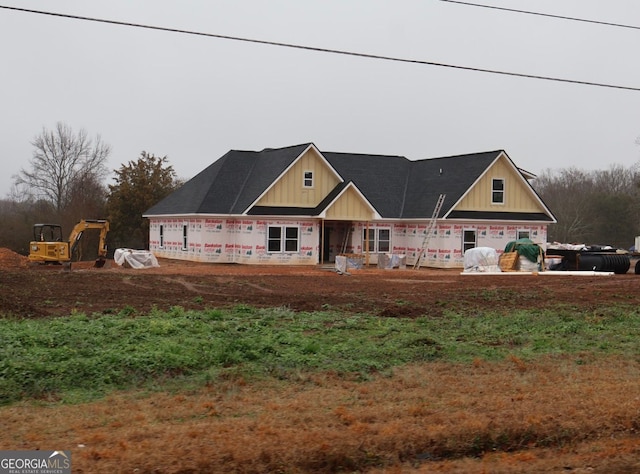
(404, 191)
(222, 160)
(306, 144)
(272, 149)
(243, 185)
(461, 155)
(364, 154)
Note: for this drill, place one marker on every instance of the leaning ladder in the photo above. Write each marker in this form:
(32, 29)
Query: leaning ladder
(430, 227)
(345, 241)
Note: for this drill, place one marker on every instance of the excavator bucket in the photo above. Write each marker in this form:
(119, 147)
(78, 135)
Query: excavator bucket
(100, 261)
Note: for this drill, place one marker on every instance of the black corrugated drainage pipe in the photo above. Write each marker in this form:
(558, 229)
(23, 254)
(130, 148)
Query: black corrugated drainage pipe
(604, 262)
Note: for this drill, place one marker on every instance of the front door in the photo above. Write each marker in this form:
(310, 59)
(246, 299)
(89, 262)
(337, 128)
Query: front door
(326, 245)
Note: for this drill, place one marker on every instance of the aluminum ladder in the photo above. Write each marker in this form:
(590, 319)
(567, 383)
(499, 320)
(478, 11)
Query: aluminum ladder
(345, 240)
(430, 227)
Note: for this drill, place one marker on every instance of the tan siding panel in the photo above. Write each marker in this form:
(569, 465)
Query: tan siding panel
(518, 197)
(350, 206)
(289, 190)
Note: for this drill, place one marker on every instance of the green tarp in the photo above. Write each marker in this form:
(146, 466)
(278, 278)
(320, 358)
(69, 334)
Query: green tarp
(524, 247)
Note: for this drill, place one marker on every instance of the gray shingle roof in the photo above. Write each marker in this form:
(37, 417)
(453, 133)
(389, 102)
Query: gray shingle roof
(230, 184)
(380, 178)
(395, 186)
(452, 175)
(400, 188)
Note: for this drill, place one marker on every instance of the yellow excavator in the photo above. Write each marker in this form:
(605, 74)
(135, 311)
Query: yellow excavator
(48, 246)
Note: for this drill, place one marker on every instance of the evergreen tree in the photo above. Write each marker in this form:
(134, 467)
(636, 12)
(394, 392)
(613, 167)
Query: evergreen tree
(139, 185)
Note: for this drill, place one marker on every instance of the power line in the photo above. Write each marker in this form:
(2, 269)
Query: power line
(325, 50)
(548, 15)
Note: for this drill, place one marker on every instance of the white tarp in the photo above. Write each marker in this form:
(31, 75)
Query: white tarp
(481, 260)
(392, 260)
(344, 263)
(341, 264)
(135, 258)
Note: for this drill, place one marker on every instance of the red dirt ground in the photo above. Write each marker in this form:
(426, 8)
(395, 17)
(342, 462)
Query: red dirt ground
(42, 291)
(237, 427)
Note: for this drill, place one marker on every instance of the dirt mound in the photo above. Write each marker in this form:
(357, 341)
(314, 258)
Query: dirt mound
(10, 259)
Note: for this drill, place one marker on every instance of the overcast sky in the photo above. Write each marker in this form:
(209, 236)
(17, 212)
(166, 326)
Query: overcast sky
(193, 98)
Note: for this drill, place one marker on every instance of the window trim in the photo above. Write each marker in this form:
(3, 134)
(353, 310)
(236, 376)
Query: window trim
(185, 237)
(528, 232)
(283, 239)
(388, 241)
(465, 242)
(374, 237)
(307, 181)
(286, 239)
(498, 192)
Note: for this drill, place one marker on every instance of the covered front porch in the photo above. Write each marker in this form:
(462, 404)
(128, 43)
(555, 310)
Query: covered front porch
(362, 239)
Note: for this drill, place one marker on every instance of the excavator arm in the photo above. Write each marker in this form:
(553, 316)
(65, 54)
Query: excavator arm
(78, 230)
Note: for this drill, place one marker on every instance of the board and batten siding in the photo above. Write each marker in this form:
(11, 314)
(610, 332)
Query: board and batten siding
(518, 197)
(350, 206)
(289, 189)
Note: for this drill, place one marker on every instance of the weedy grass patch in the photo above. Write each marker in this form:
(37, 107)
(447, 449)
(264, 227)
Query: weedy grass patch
(82, 356)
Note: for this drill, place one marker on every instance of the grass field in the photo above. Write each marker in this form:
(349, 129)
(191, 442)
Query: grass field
(272, 390)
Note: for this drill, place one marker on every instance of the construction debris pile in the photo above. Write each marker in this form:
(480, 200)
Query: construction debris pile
(529, 256)
(523, 256)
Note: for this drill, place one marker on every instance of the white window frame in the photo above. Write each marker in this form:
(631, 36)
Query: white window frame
(185, 236)
(307, 179)
(468, 244)
(498, 192)
(523, 231)
(379, 240)
(161, 232)
(374, 238)
(284, 240)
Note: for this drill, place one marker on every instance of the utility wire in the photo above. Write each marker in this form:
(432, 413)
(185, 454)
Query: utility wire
(548, 15)
(325, 50)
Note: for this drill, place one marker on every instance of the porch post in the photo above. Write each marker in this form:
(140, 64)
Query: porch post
(322, 243)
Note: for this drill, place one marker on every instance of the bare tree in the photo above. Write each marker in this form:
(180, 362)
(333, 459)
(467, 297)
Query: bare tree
(567, 193)
(615, 180)
(87, 199)
(593, 207)
(61, 161)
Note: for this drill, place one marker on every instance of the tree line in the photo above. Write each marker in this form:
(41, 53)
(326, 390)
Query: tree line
(64, 183)
(599, 207)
